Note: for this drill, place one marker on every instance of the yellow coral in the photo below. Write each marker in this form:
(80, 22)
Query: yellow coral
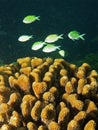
(24, 62)
(39, 88)
(63, 81)
(73, 125)
(80, 116)
(63, 117)
(26, 70)
(54, 91)
(48, 94)
(63, 72)
(4, 94)
(35, 76)
(49, 97)
(23, 83)
(36, 62)
(15, 119)
(15, 99)
(31, 126)
(90, 106)
(91, 125)
(27, 104)
(54, 126)
(36, 110)
(42, 127)
(69, 88)
(48, 114)
(6, 127)
(75, 103)
(80, 74)
(94, 74)
(81, 84)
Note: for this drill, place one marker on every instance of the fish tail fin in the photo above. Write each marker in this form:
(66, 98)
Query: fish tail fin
(81, 36)
(31, 36)
(58, 47)
(61, 36)
(44, 43)
(38, 18)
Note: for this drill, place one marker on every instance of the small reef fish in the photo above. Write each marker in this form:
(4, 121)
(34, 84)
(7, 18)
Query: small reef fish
(37, 45)
(30, 18)
(24, 38)
(50, 48)
(74, 35)
(53, 38)
(63, 53)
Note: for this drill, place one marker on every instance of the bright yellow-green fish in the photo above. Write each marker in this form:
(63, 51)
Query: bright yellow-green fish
(50, 48)
(30, 18)
(37, 45)
(24, 38)
(53, 38)
(63, 53)
(75, 35)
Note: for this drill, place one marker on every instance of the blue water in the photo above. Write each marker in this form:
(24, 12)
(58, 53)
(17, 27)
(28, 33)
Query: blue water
(57, 16)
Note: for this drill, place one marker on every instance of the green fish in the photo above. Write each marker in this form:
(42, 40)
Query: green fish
(74, 35)
(50, 48)
(30, 18)
(25, 38)
(53, 38)
(63, 53)
(37, 45)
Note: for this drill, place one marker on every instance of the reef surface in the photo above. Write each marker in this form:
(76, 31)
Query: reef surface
(48, 94)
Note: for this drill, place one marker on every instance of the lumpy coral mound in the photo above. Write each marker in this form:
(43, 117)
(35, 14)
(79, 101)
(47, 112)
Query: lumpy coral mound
(48, 94)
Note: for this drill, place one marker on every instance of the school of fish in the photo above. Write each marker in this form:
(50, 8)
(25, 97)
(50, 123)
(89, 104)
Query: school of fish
(48, 45)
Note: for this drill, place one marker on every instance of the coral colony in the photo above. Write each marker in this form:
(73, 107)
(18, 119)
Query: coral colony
(48, 94)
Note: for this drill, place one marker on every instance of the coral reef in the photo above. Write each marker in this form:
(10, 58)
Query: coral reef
(48, 94)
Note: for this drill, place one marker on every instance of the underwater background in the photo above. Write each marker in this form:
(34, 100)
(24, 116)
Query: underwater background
(55, 17)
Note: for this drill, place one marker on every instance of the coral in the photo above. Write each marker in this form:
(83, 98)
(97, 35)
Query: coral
(63, 117)
(4, 94)
(27, 104)
(31, 126)
(15, 99)
(48, 114)
(39, 88)
(42, 127)
(36, 111)
(69, 87)
(48, 94)
(91, 125)
(54, 126)
(63, 80)
(73, 125)
(15, 119)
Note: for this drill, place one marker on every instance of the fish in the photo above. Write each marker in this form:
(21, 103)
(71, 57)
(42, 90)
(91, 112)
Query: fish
(38, 45)
(75, 35)
(53, 38)
(30, 19)
(63, 53)
(50, 48)
(24, 38)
